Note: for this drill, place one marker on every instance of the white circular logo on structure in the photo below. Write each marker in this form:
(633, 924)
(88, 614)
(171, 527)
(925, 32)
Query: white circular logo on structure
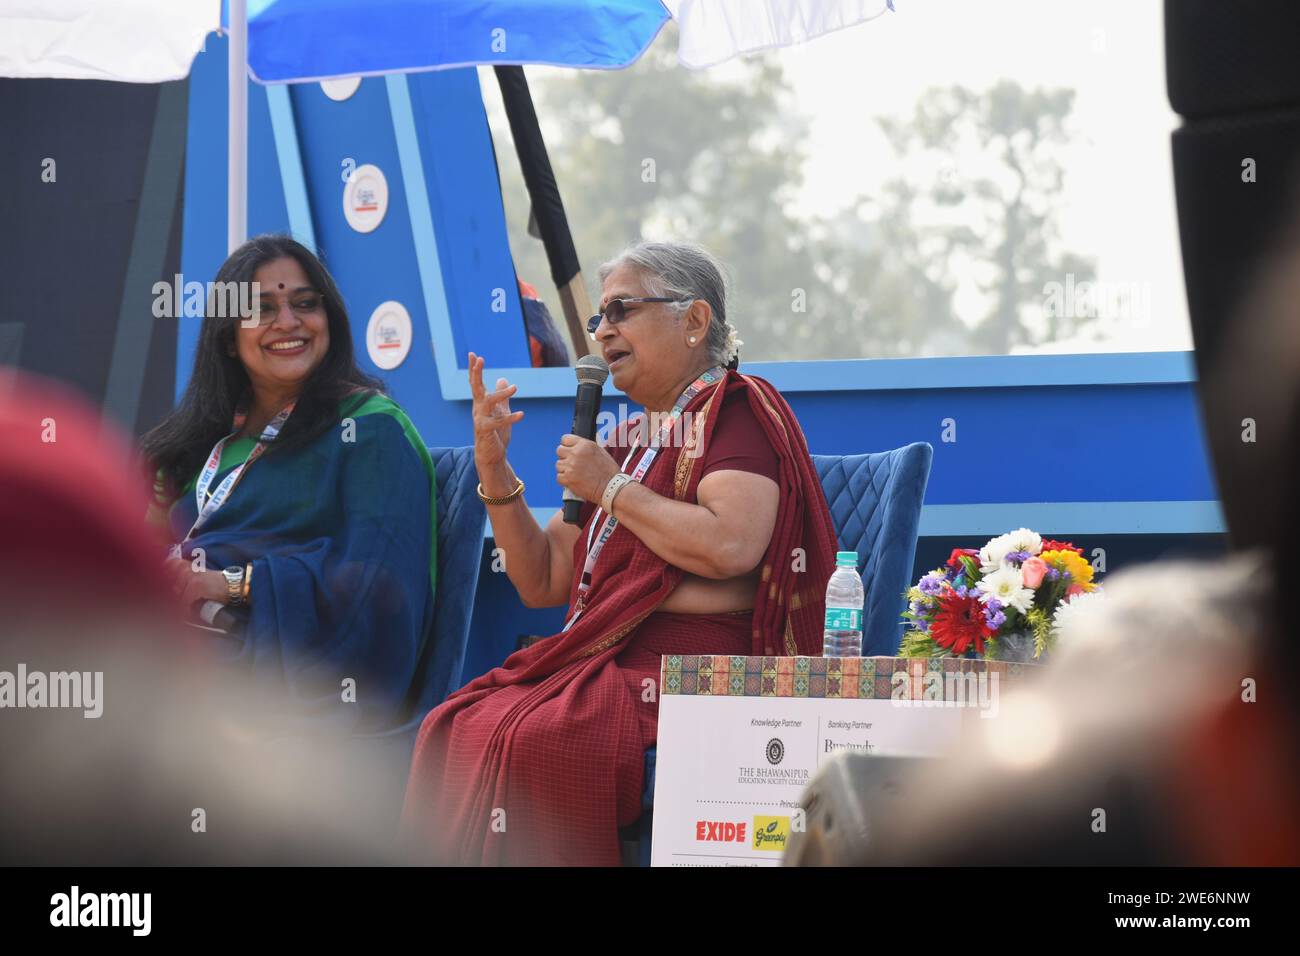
(388, 335)
(340, 90)
(365, 198)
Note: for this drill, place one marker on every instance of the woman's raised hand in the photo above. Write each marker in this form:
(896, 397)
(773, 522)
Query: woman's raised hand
(492, 416)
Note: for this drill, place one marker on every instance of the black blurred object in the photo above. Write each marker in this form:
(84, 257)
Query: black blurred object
(843, 805)
(1223, 58)
(1234, 76)
(547, 210)
(546, 218)
(858, 815)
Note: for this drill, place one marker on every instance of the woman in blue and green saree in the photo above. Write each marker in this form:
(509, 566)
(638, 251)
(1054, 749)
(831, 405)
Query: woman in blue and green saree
(292, 491)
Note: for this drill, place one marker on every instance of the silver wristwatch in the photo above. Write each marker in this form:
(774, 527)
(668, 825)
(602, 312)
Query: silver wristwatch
(234, 576)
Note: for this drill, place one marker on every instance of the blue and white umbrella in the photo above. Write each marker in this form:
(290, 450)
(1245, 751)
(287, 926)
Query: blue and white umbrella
(293, 41)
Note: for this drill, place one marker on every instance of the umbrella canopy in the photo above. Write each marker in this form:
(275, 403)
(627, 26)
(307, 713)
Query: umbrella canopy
(152, 41)
(294, 40)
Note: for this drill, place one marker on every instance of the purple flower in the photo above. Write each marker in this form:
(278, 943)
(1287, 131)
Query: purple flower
(1020, 557)
(994, 616)
(932, 584)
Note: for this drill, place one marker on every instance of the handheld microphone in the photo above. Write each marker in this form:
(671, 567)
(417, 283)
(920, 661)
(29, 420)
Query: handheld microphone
(592, 372)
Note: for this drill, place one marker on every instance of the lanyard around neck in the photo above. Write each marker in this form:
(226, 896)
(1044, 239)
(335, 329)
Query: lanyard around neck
(596, 541)
(206, 505)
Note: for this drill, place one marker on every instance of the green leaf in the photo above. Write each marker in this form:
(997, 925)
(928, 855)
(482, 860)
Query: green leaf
(972, 568)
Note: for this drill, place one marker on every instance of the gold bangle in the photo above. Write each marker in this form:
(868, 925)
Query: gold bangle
(505, 499)
(248, 580)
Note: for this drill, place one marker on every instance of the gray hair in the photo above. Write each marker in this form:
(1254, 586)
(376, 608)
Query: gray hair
(681, 270)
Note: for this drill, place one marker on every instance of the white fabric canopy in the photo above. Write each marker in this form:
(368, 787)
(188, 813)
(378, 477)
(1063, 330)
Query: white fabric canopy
(151, 41)
(139, 41)
(712, 31)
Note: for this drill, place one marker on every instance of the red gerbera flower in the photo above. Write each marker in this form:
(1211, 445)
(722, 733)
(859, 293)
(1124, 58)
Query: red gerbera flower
(1050, 545)
(959, 623)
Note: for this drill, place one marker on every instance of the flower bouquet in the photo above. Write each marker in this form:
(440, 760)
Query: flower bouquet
(1006, 601)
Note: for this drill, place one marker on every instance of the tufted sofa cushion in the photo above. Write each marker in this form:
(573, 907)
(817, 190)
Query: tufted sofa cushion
(875, 503)
(461, 520)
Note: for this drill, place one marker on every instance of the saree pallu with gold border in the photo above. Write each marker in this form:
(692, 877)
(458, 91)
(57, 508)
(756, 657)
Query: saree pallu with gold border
(540, 761)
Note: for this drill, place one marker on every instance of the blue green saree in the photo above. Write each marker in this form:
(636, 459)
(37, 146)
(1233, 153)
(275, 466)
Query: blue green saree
(341, 534)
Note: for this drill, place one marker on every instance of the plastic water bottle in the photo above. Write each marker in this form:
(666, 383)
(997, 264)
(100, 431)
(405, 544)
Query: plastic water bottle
(842, 636)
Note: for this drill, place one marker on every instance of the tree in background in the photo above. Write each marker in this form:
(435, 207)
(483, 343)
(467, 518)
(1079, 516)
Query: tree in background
(657, 151)
(990, 210)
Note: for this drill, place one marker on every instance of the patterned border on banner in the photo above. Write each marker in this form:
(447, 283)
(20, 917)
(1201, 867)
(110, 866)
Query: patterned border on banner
(860, 678)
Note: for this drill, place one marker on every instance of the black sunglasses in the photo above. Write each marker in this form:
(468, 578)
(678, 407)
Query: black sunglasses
(616, 311)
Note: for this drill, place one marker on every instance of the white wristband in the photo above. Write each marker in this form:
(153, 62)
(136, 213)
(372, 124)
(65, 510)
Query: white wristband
(613, 488)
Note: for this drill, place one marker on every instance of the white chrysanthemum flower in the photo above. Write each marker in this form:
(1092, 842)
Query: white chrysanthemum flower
(1074, 609)
(734, 342)
(1022, 539)
(1006, 585)
(994, 554)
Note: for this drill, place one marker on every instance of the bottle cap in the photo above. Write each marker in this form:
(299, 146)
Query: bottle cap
(846, 559)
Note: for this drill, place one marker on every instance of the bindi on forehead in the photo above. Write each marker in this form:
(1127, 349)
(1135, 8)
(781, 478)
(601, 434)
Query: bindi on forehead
(281, 286)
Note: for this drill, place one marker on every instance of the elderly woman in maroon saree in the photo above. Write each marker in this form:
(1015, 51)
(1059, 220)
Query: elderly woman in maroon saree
(723, 545)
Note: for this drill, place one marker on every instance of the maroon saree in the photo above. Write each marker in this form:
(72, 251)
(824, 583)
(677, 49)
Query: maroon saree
(540, 761)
